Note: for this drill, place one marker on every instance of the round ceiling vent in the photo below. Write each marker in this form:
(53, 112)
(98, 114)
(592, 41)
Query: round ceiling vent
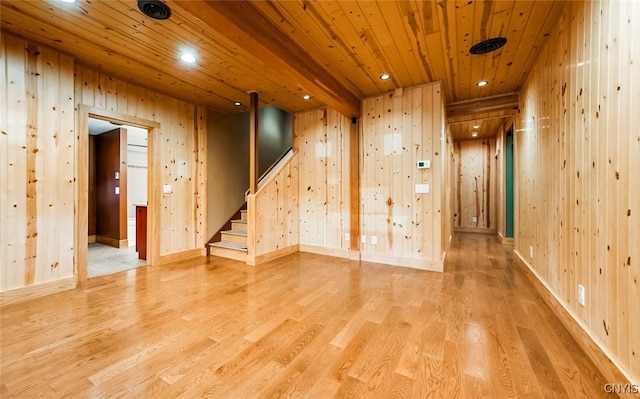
(154, 9)
(488, 45)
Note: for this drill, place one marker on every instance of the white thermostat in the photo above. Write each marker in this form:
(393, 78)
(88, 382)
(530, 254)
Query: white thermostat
(424, 164)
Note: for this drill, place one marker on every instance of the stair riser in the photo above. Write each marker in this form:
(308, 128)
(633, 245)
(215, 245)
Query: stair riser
(238, 226)
(234, 238)
(228, 253)
(243, 215)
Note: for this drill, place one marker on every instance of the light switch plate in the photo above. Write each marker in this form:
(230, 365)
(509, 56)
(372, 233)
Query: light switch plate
(347, 236)
(363, 239)
(117, 190)
(374, 240)
(422, 189)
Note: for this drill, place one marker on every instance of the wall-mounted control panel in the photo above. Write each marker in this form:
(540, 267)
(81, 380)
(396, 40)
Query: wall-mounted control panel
(424, 164)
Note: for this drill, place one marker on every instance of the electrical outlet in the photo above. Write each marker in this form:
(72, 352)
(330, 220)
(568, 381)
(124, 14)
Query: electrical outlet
(581, 296)
(363, 239)
(347, 237)
(374, 240)
(531, 251)
(474, 219)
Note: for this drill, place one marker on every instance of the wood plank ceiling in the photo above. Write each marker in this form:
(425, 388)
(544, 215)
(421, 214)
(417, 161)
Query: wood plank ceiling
(334, 51)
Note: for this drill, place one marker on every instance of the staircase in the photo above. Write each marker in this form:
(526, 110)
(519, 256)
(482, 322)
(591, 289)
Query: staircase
(233, 244)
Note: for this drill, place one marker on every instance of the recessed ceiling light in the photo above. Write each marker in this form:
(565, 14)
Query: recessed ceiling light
(474, 134)
(385, 76)
(68, 1)
(306, 96)
(188, 57)
(482, 83)
(476, 126)
(237, 103)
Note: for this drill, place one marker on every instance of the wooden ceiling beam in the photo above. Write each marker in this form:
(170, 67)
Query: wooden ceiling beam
(242, 23)
(476, 118)
(502, 102)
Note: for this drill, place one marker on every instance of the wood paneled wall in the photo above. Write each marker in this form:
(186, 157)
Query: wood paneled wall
(476, 185)
(274, 211)
(323, 144)
(577, 159)
(179, 152)
(38, 150)
(37, 166)
(398, 129)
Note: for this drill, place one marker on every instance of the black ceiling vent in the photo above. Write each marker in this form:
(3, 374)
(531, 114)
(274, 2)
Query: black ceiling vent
(154, 9)
(488, 45)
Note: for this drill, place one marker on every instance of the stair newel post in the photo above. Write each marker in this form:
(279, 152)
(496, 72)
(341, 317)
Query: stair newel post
(253, 178)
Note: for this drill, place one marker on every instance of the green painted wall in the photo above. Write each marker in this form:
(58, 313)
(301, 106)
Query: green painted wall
(509, 186)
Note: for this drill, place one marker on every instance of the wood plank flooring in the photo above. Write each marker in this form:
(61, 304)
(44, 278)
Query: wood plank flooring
(305, 326)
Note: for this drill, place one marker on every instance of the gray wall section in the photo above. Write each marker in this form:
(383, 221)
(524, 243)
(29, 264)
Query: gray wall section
(227, 167)
(228, 157)
(275, 134)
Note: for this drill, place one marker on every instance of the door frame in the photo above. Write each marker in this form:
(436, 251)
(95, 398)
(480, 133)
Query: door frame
(82, 185)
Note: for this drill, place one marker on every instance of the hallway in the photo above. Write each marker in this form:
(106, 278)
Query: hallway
(306, 326)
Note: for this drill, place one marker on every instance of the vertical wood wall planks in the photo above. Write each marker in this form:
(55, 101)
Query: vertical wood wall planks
(398, 130)
(200, 172)
(633, 213)
(476, 184)
(276, 218)
(33, 72)
(41, 89)
(325, 169)
(37, 166)
(50, 198)
(15, 163)
(4, 155)
(180, 141)
(577, 204)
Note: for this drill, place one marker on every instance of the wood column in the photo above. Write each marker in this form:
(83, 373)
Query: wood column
(354, 182)
(253, 143)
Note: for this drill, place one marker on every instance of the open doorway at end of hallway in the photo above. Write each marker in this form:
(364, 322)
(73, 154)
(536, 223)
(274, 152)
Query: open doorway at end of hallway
(117, 185)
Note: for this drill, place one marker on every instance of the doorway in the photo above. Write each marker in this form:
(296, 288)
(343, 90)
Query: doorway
(117, 185)
(82, 237)
(509, 184)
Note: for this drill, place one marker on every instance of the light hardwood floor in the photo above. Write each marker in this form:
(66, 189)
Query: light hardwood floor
(304, 326)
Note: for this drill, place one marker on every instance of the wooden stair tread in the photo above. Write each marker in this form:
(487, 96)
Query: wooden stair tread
(239, 221)
(235, 232)
(229, 245)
